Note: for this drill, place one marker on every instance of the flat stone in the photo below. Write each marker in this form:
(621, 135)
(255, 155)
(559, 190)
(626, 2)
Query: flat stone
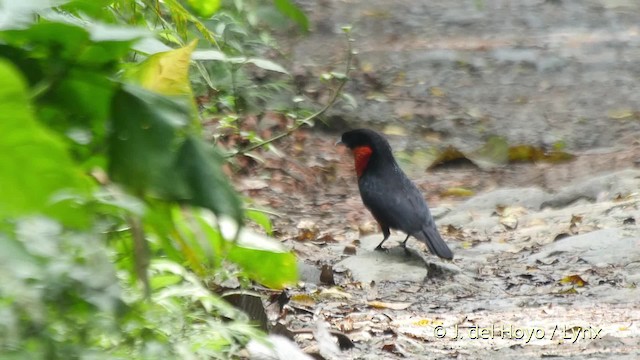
(308, 273)
(530, 198)
(609, 246)
(603, 187)
(391, 265)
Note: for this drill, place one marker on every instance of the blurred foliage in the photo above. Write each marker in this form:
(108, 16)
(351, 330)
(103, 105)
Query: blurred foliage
(115, 211)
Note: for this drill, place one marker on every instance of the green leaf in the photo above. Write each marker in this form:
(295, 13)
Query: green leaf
(23, 59)
(150, 46)
(272, 269)
(66, 40)
(147, 154)
(204, 8)
(199, 168)
(195, 252)
(262, 258)
(143, 139)
(261, 218)
(164, 280)
(158, 220)
(209, 55)
(293, 12)
(94, 43)
(94, 8)
(267, 65)
(100, 32)
(83, 97)
(181, 17)
(34, 164)
(216, 55)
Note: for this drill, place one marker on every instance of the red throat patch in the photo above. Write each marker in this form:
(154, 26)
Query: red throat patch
(361, 155)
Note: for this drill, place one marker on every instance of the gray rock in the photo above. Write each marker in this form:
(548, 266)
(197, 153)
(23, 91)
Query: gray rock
(439, 212)
(530, 198)
(393, 265)
(516, 56)
(606, 246)
(463, 219)
(601, 187)
(378, 266)
(308, 273)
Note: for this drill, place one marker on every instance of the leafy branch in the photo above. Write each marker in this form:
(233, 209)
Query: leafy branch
(342, 78)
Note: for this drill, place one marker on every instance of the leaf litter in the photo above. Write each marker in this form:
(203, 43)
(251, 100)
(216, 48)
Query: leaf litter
(502, 290)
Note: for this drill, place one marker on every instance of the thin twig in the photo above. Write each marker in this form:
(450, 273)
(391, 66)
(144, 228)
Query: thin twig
(140, 252)
(306, 120)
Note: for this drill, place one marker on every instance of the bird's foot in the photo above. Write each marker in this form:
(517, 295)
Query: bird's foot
(380, 248)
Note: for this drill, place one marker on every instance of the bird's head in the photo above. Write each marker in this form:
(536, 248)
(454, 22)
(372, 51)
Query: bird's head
(368, 147)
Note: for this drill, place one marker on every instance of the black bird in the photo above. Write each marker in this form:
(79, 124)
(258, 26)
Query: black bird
(394, 201)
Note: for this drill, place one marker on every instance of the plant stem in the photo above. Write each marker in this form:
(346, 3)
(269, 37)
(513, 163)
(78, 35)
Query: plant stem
(306, 120)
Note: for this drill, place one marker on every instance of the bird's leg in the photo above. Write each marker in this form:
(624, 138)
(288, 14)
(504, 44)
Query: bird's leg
(386, 233)
(404, 243)
(404, 246)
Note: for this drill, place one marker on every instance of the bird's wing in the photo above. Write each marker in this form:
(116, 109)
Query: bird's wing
(396, 202)
(399, 205)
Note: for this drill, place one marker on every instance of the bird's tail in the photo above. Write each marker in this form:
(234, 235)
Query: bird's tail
(430, 236)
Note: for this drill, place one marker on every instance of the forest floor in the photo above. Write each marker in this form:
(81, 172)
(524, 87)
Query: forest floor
(547, 253)
(545, 264)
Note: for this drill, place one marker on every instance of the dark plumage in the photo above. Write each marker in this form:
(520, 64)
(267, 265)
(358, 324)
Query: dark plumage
(394, 201)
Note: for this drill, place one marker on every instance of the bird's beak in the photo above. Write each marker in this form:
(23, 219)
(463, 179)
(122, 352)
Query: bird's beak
(339, 142)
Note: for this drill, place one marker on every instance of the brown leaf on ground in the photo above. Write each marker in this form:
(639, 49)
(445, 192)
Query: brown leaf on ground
(388, 305)
(307, 230)
(574, 279)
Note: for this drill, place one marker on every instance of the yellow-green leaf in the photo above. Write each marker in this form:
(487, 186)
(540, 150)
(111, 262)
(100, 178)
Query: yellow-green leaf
(167, 72)
(458, 192)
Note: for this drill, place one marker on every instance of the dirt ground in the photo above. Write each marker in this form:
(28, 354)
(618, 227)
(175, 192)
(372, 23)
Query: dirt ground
(547, 253)
(536, 72)
(537, 252)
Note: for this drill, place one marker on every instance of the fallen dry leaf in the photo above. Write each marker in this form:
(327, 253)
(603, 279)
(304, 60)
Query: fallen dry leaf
(303, 299)
(457, 192)
(452, 230)
(437, 92)
(333, 293)
(467, 244)
(509, 215)
(253, 184)
(574, 279)
(349, 250)
(427, 322)
(622, 114)
(368, 228)
(509, 222)
(395, 130)
(307, 230)
(326, 275)
(571, 290)
(561, 236)
(389, 305)
(576, 219)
